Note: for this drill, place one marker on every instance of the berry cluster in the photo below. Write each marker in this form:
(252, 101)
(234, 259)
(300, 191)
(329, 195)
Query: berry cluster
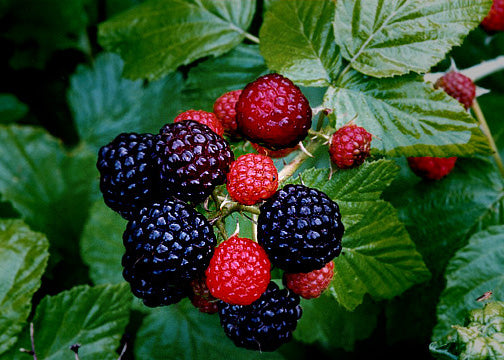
(171, 251)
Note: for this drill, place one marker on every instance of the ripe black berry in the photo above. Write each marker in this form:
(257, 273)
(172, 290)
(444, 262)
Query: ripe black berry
(127, 172)
(193, 160)
(300, 228)
(167, 245)
(265, 324)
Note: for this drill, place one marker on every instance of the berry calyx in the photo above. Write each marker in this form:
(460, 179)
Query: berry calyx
(239, 271)
(300, 229)
(224, 109)
(201, 297)
(264, 325)
(350, 146)
(167, 246)
(273, 112)
(128, 173)
(494, 21)
(310, 285)
(202, 117)
(275, 154)
(192, 160)
(458, 86)
(252, 178)
(431, 168)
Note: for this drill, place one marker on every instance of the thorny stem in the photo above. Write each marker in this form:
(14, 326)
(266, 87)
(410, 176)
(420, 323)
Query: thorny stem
(476, 72)
(486, 130)
(291, 167)
(32, 338)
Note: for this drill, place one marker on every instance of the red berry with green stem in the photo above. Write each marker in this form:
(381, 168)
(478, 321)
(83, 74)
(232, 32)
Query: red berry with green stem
(458, 86)
(239, 271)
(350, 146)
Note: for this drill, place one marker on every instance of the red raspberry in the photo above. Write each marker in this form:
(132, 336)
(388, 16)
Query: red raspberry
(494, 21)
(239, 271)
(224, 109)
(350, 146)
(252, 178)
(203, 117)
(431, 168)
(458, 86)
(201, 297)
(275, 154)
(273, 112)
(310, 285)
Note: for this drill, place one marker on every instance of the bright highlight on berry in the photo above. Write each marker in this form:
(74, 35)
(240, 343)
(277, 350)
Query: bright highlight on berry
(273, 112)
(252, 178)
(264, 325)
(300, 228)
(239, 271)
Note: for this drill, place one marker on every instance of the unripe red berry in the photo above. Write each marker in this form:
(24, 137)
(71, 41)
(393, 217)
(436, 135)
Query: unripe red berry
(431, 168)
(350, 146)
(239, 271)
(252, 178)
(202, 117)
(458, 86)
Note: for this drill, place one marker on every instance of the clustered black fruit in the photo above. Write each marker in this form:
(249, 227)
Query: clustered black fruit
(300, 229)
(265, 324)
(186, 160)
(167, 246)
(128, 180)
(192, 160)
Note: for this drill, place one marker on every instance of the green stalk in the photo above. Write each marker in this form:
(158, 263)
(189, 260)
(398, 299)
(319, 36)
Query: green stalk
(486, 130)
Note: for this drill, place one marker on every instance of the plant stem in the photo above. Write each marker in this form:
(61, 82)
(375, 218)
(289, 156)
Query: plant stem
(291, 167)
(476, 72)
(486, 130)
(251, 37)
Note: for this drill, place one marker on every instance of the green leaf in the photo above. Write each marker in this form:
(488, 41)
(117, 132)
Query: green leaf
(406, 116)
(94, 317)
(216, 76)
(101, 244)
(180, 331)
(48, 186)
(11, 109)
(24, 255)
(440, 215)
(297, 40)
(104, 104)
(158, 36)
(474, 270)
(383, 38)
(378, 256)
(40, 27)
(331, 326)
